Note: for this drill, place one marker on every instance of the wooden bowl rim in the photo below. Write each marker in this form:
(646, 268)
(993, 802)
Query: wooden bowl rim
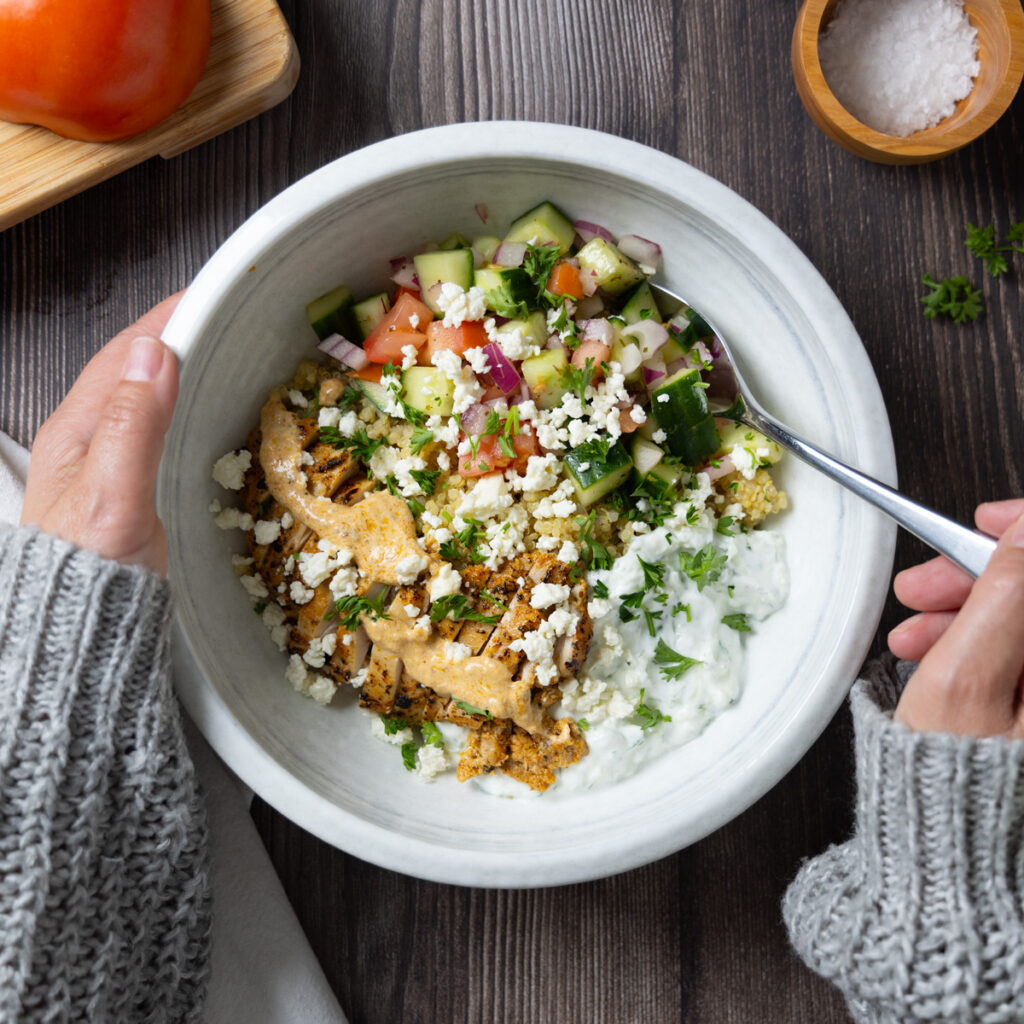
(926, 143)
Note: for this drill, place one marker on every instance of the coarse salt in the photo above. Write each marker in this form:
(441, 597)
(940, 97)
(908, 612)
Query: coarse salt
(899, 66)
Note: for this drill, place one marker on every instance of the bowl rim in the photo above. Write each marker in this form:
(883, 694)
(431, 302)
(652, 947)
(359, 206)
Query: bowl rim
(921, 147)
(621, 158)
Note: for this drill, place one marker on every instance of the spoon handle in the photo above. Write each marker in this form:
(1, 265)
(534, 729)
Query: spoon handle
(967, 548)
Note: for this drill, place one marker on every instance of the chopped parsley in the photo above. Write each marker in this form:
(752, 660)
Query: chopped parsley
(737, 621)
(578, 380)
(672, 663)
(500, 300)
(426, 478)
(703, 567)
(457, 607)
(649, 716)
(600, 589)
(421, 437)
(393, 724)
(684, 608)
(538, 262)
(432, 735)
(490, 597)
(594, 554)
(583, 724)
(472, 709)
(409, 756)
(351, 608)
(724, 526)
(654, 574)
(360, 443)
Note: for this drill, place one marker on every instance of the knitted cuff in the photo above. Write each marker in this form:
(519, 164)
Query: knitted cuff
(918, 916)
(103, 884)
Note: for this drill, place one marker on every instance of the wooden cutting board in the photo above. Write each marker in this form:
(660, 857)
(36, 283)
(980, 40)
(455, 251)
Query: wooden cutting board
(253, 65)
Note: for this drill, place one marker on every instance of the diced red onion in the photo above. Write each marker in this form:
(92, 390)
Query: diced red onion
(404, 275)
(503, 373)
(510, 254)
(678, 323)
(715, 472)
(588, 282)
(344, 351)
(653, 373)
(481, 211)
(716, 347)
(640, 249)
(587, 231)
(474, 418)
(597, 330)
(434, 291)
(650, 335)
(703, 355)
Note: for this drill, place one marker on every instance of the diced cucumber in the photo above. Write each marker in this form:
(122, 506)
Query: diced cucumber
(594, 477)
(746, 437)
(375, 392)
(454, 241)
(543, 225)
(666, 477)
(680, 407)
(613, 271)
(331, 313)
(428, 390)
(672, 350)
(543, 375)
(534, 330)
(370, 312)
(696, 329)
(486, 246)
(505, 288)
(640, 305)
(432, 268)
(626, 352)
(646, 455)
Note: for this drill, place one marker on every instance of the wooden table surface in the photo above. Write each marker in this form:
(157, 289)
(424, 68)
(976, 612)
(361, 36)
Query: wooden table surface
(697, 936)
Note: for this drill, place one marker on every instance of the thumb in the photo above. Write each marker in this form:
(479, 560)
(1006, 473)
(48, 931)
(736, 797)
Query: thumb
(125, 449)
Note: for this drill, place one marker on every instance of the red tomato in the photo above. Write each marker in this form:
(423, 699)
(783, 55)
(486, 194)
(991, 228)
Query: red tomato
(373, 373)
(398, 320)
(387, 347)
(452, 339)
(402, 290)
(100, 70)
(489, 456)
(565, 280)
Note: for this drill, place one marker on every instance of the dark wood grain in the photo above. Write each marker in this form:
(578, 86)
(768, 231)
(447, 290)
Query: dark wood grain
(696, 937)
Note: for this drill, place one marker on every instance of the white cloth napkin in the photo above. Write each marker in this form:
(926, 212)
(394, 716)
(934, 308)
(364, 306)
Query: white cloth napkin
(263, 970)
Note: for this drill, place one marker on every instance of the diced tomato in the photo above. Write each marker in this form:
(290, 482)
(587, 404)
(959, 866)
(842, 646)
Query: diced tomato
(565, 280)
(400, 319)
(595, 351)
(491, 392)
(372, 372)
(470, 334)
(490, 457)
(402, 290)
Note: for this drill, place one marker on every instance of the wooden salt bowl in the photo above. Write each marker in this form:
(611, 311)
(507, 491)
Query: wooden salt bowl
(1000, 25)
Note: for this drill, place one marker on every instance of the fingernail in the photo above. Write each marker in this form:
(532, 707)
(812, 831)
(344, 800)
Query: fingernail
(144, 359)
(1017, 533)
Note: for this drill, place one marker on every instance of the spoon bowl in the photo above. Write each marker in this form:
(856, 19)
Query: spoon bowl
(736, 401)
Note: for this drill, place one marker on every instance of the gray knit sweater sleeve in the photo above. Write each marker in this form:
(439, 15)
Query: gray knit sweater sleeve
(104, 895)
(919, 917)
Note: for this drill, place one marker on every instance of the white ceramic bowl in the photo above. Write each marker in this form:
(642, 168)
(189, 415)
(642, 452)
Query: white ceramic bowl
(241, 329)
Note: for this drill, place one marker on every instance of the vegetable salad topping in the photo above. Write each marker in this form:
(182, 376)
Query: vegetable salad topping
(579, 506)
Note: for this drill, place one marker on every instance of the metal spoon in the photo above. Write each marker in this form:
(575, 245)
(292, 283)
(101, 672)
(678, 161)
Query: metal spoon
(967, 548)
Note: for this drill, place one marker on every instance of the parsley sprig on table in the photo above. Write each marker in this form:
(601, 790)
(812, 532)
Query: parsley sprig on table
(953, 297)
(983, 243)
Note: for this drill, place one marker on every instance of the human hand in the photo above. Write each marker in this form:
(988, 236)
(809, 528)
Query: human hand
(92, 476)
(969, 636)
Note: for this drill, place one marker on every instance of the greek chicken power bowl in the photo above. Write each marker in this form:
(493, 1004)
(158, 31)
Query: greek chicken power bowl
(502, 508)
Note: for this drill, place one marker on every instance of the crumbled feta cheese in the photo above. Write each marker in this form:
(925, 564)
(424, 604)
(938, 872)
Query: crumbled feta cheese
(445, 583)
(458, 305)
(287, 520)
(568, 553)
(659, 436)
(319, 688)
(542, 473)
(344, 583)
(431, 760)
(410, 353)
(229, 470)
(637, 415)
(547, 594)
(488, 498)
(663, 397)
(266, 531)
(378, 730)
(414, 321)
(300, 594)
(254, 586)
(477, 359)
(409, 568)
(297, 398)
(240, 564)
(457, 651)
